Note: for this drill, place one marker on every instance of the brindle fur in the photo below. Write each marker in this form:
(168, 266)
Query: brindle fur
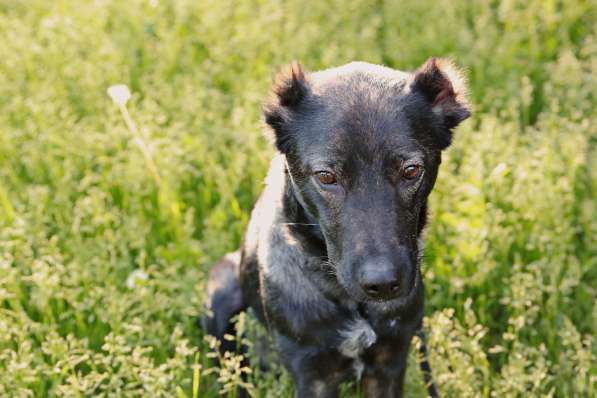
(306, 248)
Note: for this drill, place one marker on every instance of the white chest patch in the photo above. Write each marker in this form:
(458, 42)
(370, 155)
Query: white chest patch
(356, 338)
(358, 367)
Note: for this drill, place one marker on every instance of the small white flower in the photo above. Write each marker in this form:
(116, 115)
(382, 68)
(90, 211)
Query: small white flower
(500, 170)
(119, 93)
(135, 277)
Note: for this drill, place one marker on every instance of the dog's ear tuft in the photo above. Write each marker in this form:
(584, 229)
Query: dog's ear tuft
(290, 85)
(444, 85)
(289, 90)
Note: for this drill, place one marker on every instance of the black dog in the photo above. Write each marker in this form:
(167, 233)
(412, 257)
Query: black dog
(331, 257)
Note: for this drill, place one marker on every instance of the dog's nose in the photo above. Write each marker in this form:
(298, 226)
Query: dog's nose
(380, 279)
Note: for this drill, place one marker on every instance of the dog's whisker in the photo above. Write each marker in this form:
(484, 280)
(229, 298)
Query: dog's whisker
(329, 267)
(297, 223)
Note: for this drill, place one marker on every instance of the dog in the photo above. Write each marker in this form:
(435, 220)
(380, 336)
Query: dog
(330, 261)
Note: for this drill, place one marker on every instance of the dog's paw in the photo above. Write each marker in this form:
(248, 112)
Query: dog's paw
(356, 338)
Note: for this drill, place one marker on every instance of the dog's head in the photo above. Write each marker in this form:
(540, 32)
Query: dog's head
(363, 144)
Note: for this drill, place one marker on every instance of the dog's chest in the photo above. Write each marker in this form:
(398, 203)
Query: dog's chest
(360, 336)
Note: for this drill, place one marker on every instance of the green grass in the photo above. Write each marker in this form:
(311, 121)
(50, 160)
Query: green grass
(511, 254)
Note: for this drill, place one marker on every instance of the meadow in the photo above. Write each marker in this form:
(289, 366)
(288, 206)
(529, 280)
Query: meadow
(110, 217)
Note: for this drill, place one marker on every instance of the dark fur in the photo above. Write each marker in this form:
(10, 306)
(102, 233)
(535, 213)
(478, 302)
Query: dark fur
(311, 250)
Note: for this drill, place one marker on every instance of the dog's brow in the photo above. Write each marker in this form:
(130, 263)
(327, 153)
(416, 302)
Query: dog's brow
(413, 157)
(404, 155)
(317, 162)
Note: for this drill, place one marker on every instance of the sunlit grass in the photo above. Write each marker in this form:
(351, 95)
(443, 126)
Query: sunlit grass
(113, 207)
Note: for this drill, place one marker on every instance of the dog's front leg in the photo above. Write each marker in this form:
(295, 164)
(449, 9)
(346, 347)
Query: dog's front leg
(310, 385)
(317, 371)
(325, 356)
(318, 340)
(384, 386)
(385, 367)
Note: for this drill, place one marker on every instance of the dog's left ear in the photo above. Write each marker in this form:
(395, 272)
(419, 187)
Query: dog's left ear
(444, 86)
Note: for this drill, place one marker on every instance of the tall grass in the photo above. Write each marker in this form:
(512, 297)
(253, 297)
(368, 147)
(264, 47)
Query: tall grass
(103, 256)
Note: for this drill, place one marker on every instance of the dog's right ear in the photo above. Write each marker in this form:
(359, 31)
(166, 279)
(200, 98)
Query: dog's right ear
(288, 92)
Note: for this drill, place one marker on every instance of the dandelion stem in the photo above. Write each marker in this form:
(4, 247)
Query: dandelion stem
(130, 123)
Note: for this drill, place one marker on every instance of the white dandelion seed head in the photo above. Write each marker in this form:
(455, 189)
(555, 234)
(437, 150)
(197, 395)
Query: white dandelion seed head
(119, 93)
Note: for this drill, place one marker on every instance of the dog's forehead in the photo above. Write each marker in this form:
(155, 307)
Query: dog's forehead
(368, 143)
(354, 71)
(361, 109)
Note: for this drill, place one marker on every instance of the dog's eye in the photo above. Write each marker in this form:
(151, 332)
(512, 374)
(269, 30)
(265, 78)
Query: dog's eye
(326, 178)
(411, 172)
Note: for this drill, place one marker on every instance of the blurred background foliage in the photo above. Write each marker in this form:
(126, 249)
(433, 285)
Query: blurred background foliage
(102, 265)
